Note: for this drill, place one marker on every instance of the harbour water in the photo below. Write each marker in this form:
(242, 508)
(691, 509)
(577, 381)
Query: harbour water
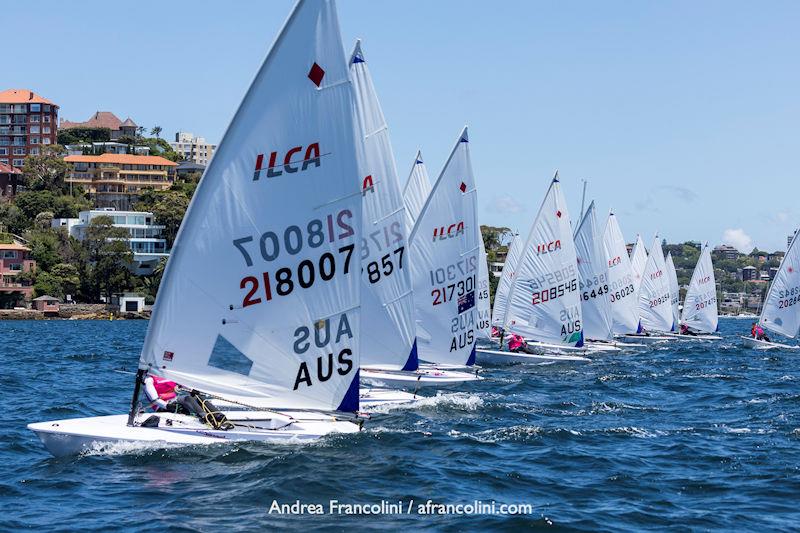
(680, 436)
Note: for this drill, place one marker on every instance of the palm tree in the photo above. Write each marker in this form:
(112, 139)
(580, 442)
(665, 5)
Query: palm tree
(156, 131)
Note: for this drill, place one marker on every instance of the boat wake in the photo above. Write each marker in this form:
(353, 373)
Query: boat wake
(457, 401)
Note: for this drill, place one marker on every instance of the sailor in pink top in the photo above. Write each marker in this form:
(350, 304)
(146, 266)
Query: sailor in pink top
(160, 391)
(516, 343)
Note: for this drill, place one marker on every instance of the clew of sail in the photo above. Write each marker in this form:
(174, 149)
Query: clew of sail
(484, 311)
(506, 280)
(444, 264)
(593, 279)
(416, 191)
(260, 299)
(544, 302)
(638, 261)
(700, 303)
(387, 304)
(622, 296)
(780, 313)
(655, 298)
(674, 289)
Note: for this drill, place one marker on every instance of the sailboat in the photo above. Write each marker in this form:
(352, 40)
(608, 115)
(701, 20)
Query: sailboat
(500, 307)
(259, 307)
(699, 312)
(544, 303)
(593, 284)
(781, 311)
(389, 346)
(655, 298)
(444, 254)
(638, 261)
(674, 289)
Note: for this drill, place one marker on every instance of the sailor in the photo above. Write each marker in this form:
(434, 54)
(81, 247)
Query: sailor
(686, 331)
(516, 344)
(168, 396)
(760, 335)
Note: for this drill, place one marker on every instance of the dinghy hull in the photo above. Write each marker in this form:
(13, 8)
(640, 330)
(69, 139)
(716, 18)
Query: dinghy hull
(79, 435)
(504, 357)
(437, 378)
(756, 344)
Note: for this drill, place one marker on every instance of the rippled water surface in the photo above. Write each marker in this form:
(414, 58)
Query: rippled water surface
(683, 435)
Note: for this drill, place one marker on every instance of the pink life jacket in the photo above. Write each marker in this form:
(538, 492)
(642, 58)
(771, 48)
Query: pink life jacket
(495, 331)
(515, 343)
(164, 388)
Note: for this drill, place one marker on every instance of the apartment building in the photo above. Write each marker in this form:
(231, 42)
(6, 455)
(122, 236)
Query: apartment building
(116, 180)
(27, 122)
(15, 258)
(194, 149)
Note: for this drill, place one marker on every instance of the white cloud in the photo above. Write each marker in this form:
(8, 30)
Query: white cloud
(505, 204)
(738, 239)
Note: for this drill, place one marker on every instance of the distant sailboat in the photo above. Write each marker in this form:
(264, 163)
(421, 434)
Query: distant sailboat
(416, 191)
(484, 307)
(674, 289)
(500, 307)
(699, 312)
(655, 298)
(781, 311)
(593, 279)
(259, 307)
(624, 303)
(544, 302)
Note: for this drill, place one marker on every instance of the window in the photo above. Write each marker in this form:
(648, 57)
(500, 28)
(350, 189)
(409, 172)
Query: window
(46, 119)
(35, 118)
(19, 108)
(5, 119)
(18, 151)
(3, 151)
(18, 162)
(34, 140)
(9, 254)
(4, 161)
(46, 108)
(33, 151)
(5, 108)
(45, 129)
(46, 140)
(34, 129)
(35, 108)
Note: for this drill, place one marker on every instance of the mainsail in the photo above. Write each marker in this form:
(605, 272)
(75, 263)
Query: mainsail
(655, 300)
(500, 307)
(780, 313)
(593, 279)
(444, 263)
(260, 299)
(700, 303)
(387, 304)
(416, 190)
(638, 261)
(624, 303)
(674, 289)
(544, 302)
(484, 311)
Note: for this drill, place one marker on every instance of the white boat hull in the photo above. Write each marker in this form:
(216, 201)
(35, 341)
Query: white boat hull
(698, 337)
(372, 398)
(425, 377)
(504, 357)
(756, 344)
(644, 339)
(79, 435)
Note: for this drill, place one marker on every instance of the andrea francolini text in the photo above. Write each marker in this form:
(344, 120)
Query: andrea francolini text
(389, 507)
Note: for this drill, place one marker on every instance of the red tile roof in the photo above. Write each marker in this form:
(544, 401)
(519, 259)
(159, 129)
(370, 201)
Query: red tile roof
(8, 169)
(22, 96)
(101, 119)
(121, 159)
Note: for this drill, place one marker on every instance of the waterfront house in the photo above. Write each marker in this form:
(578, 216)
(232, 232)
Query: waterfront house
(116, 180)
(15, 258)
(145, 236)
(46, 304)
(105, 120)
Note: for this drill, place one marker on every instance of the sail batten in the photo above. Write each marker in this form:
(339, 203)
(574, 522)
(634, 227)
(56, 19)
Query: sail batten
(266, 263)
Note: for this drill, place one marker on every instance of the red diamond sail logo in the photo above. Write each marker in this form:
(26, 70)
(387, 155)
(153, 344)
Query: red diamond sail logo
(789, 270)
(316, 74)
(463, 187)
(558, 214)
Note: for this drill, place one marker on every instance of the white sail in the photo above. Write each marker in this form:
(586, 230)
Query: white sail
(484, 308)
(623, 299)
(416, 190)
(674, 289)
(700, 304)
(780, 313)
(388, 331)
(260, 299)
(444, 264)
(638, 261)
(593, 279)
(544, 302)
(506, 280)
(655, 299)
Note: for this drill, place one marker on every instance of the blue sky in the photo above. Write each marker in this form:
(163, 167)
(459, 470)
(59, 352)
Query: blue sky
(682, 115)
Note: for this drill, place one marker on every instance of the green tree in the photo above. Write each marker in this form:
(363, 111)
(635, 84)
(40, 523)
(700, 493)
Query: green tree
(44, 245)
(46, 171)
(156, 131)
(12, 218)
(110, 257)
(169, 208)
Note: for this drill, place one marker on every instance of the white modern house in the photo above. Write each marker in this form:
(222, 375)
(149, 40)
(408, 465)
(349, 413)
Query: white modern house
(145, 240)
